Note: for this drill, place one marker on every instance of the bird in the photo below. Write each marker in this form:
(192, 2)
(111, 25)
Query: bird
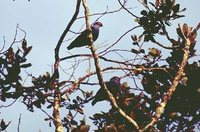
(113, 86)
(82, 39)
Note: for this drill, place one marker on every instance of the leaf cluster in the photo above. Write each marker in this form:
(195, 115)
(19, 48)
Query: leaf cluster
(11, 64)
(154, 18)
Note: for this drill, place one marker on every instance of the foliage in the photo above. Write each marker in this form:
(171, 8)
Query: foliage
(11, 64)
(156, 76)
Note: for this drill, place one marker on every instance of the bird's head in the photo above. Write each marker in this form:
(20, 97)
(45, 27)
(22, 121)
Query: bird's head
(115, 79)
(99, 24)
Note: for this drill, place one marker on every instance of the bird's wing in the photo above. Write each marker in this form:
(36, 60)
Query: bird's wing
(80, 41)
(101, 95)
(113, 87)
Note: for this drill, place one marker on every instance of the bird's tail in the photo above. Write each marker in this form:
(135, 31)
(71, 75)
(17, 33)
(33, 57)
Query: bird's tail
(94, 102)
(69, 47)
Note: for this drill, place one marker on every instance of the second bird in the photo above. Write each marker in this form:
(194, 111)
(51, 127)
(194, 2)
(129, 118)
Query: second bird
(113, 86)
(82, 40)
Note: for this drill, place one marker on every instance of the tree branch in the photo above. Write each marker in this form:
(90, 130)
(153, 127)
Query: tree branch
(55, 77)
(98, 69)
(103, 13)
(67, 29)
(119, 39)
(123, 6)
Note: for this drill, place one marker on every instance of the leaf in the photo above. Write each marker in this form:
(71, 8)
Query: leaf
(134, 37)
(47, 119)
(169, 3)
(50, 124)
(37, 103)
(135, 51)
(78, 98)
(184, 80)
(34, 81)
(84, 128)
(185, 29)
(125, 84)
(154, 52)
(179, 32)
(140, 38)
(80, 110)
(135, 43)
(10, 55)
(193, 35)
(27, 51)
(24, 44)
(143, 12)
(88, 94)
(69, 116)
(92, 118)
(73, 122)
(26, 65)
(149, 37)
(49, 106)
(168, 23)
(83, 121)
(47, 74)
(97, 116)
(142, 51)
(74, 101)
(176, 8)
(3, 125)
(25, 48)
(184, 9)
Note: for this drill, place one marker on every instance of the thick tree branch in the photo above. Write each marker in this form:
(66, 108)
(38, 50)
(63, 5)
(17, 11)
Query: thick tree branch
(67, 29)
(98, 69)
(175, 82)
(55, 77)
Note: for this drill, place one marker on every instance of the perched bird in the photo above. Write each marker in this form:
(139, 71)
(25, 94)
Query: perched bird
(113, 86)
(82, 40)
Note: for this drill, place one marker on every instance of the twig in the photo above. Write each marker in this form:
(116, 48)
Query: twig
(4, 43)
(19, 122)
(100, 57)
(165, 47)
(15, 38)
(104, 13)
(122, 5)
(77, 55)
(5, 106)
(47, 114)
(119, 39)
